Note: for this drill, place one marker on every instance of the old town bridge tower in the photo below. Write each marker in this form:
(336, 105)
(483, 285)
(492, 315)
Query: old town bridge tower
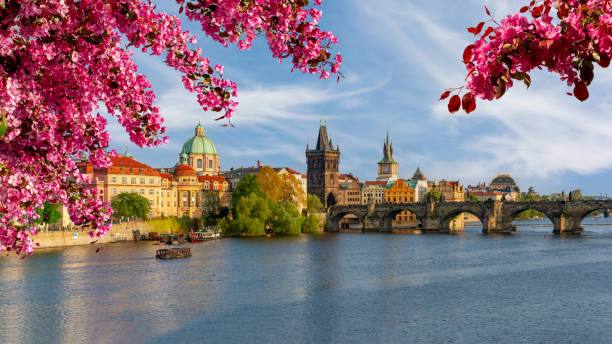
(323, 169)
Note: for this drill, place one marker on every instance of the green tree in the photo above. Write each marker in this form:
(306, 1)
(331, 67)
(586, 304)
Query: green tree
(252, 215)
(49, 214)
(247, 185)
(310, 223)
(472, 198)
(285, 218)
(433, 193)
(313, 204)
(130, 204)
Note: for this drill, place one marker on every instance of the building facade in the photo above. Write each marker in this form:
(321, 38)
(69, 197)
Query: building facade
(322, 174)
(373, 192)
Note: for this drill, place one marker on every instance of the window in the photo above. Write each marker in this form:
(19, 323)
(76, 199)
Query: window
(134, 190)
(142, 180)
(124, 180)
(151, 181)
(133, 180)
(184, 199)
(142, 191)
(168, 203)
(122, 189)
(210, 163)
(151, 192)
(113, 179)
(151, 202)
(199, 163)
(114, 191)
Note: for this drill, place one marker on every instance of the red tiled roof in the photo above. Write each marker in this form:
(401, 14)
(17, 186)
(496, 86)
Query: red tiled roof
(377, 182)
(485, 193)
(292, 171)
(122, 165)
(212, 179)
(184, 170)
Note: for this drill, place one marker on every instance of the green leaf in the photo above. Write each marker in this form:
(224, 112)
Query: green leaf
(3, 126)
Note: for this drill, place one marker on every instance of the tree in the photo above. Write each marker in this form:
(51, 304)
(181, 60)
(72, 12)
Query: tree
(569, 46)
(291, 190)
(246, 186)
(61, 58)
(270, 183)
(433, 193)
(252, 214)
(285, 218)
(49, 214)
(313, 204)
(130, 204)
(472, 198)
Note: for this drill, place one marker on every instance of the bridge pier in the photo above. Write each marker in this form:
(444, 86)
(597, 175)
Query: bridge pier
(565, 224)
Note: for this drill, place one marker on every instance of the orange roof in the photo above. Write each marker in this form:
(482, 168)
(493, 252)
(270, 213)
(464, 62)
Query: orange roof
(122, 165)
(377, 182)
(212, 179)
(485, 193)
(292, 171)
(184, 170)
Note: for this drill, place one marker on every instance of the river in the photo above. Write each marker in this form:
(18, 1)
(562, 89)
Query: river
(527, 287)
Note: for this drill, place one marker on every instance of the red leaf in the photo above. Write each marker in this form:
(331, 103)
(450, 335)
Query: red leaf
(454, 104)
(444, 95)
(467, 53)
(468, 102)
(181, 10)
(220, 118)
(487, 10)
(98, 249)
(476, 30)
(581, 92)
(569, 93)
(524, 9)
(604, 61)
(487, 32)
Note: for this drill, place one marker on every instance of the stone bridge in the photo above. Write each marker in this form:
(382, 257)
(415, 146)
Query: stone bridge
(496, 216)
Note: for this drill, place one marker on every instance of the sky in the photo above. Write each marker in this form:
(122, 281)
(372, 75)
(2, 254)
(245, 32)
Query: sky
(399, 56)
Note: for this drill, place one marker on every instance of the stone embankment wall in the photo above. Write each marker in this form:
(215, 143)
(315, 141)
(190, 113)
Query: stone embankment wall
(74, 237)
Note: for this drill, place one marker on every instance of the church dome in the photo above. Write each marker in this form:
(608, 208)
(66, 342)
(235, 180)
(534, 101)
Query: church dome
(199, 144)
(503, 179)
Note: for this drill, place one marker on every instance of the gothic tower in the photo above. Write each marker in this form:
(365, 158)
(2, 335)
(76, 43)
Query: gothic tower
(322, 174)
(387, 167)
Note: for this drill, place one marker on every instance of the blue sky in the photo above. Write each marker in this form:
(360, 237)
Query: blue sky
(399, 55)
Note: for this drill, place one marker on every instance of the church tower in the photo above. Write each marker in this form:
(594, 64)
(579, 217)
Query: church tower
(387, 167)
(322, 174)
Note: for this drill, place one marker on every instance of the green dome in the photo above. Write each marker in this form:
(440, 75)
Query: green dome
(199, 144)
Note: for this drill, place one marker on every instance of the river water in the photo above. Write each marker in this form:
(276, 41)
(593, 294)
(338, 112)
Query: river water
(530, 286)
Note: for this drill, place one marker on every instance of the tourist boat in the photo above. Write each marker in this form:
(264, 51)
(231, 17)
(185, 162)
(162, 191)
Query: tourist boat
(173, 253)
(204, 235)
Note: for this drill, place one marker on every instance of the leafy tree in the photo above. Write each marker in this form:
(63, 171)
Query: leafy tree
(310, 223)
(252, 214)
(61, 59)
(472, 198)
(433, 193)
(130, 204)
(270, 183)
(576, 195)
(313, 204)
(510, 49)
(285, 218)
(246, 186)
(49, 214)
(291, 190)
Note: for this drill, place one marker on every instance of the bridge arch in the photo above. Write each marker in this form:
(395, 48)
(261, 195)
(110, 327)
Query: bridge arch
(391, 215)
(446, 223)
(515, 212)
(336, 223)
(591, 208)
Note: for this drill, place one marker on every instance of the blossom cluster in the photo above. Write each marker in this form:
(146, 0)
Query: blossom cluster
(570, 45)
(61, 59)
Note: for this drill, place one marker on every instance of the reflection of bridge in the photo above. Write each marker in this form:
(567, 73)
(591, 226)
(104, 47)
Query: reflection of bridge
(496, 216)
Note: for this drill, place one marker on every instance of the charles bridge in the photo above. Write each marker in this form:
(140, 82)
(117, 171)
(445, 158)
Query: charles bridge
(496, 216)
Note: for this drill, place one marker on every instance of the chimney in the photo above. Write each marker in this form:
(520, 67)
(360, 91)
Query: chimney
(258, 164)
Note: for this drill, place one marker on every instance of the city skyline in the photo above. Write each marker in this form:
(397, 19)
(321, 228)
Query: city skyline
(393, 78)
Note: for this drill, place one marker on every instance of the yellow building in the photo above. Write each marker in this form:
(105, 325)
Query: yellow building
(400, 191)
(191, 188)
(451, 191)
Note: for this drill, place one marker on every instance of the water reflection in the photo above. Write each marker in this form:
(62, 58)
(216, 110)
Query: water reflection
(319, 288)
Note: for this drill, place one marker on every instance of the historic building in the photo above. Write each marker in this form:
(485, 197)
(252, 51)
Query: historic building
(505, 184)
(190, 188)
(400, 191)
(322, 163)
(420, 186)
(349, 193)
(387, 167)
(374, 192)
(450, 191)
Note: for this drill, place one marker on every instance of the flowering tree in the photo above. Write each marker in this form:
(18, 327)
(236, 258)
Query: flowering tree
(59, 59)
(570, 46)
